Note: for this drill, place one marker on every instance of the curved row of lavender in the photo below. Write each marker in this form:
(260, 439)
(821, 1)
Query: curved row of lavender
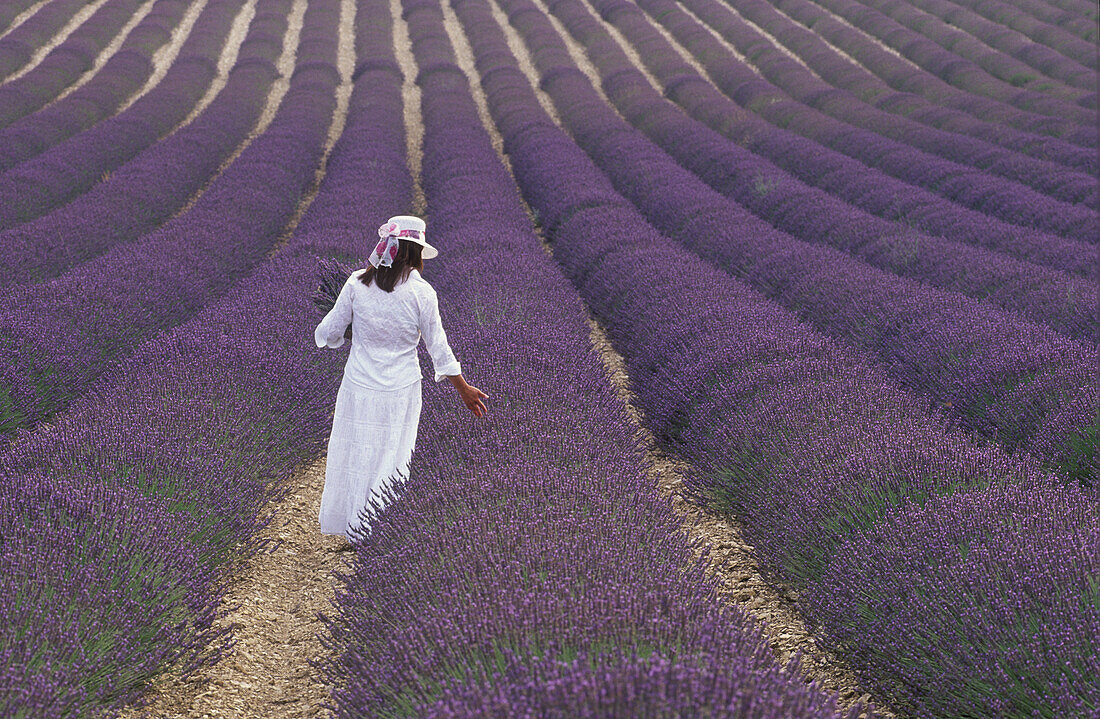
(830, 94)
(1077, 18)
(158, 182)
(1065, 42)
(817, 452)
(1045, 296)
(881, 157)
(987, 95)
(1080, 20)
(43, 183)
(64, 64)
(124, 73)
(18, 47)
(820, 167)
(907, 77)
(1007, 55)
(59, 335)
(192, 433)
(916, 107)
(529, 564)
(11, 10)
(1017, 382)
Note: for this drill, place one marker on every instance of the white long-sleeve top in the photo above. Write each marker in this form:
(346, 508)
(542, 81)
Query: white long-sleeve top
(385, 330)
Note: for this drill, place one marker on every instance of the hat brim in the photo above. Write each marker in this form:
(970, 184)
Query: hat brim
(428, 252)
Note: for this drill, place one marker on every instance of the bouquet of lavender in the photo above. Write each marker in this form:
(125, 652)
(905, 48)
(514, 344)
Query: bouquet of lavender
(334, 274)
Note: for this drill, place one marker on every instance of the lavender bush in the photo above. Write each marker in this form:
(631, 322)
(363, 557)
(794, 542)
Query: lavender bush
(911, 84)
(60, 334)
(528, 544)
(12, 10)
(1009, 15)
(528, 567)
(159, 181)
(969, 187)
(124, 73)
(17, 47)
(332, 276)
(648, 687)
(1076, 21)
(194, 432)
(857, 107)
(958, 84)
(1009, 392)
(42, 183)
(1019, 562)
(760, 144)
(722, 394)
(65, 63)
(971, 36)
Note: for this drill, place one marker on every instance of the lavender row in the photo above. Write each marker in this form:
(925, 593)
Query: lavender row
(861, 80)
(68, 169)
(65, 63)
(903, 77)
(850, 107)
(761, 403)
(1016, 567)
(1080, 22)
(551, 556)
(207, 421)
(154, 185)
(963, 73)
(1012, 58)
(1023, 384)
(120, 77)
(966, 186)
(1081, 8)
(869, 189)
(953, 82)
(810, 214)
(58, 335)
(11, 10)
(1056, 38)
(18, 46)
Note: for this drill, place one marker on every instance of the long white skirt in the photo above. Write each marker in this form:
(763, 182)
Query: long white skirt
(373, 437)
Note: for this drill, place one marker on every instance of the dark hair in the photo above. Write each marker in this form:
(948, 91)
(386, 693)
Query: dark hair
(408, 259)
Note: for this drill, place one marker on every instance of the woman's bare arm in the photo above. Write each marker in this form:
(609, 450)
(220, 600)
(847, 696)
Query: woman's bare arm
(470, 395)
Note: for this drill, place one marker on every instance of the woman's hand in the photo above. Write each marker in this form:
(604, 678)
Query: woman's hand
(470, 395)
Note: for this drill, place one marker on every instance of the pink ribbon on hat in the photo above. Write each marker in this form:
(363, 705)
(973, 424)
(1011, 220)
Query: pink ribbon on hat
(386, 249)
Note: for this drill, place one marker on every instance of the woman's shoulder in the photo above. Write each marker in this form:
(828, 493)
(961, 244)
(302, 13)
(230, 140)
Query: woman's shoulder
(418, 284)
(354, 279)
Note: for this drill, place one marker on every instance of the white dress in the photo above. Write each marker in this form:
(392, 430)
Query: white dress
(378, 404)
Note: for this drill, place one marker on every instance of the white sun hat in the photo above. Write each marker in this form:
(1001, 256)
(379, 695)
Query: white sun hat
(408, 227)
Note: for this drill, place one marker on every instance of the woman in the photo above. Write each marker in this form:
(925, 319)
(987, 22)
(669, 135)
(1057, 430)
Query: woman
(389, 307)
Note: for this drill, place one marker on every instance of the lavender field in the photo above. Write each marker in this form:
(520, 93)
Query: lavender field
(786, 309)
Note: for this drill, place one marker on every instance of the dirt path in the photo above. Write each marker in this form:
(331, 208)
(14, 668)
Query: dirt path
(276, 599)
(41, 52)
(167, 53)
(110, 49)
(741, 582)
